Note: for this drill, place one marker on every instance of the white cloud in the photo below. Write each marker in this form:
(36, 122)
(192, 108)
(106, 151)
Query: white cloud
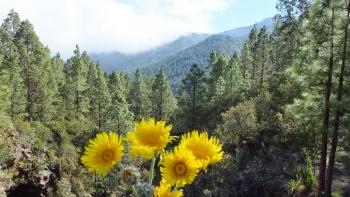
(109, 25)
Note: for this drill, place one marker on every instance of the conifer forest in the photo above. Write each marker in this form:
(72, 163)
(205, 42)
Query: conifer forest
(266, 114)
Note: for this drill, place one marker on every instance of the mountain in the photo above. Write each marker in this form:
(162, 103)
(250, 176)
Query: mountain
(129, 62)
(244, 31)
(108, 61)
(176, 57)
(157, 56)
(177, 65)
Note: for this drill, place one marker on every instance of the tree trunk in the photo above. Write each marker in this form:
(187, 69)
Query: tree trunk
(77, 103)
(262, 67)
(324, 137)
(253, 66)
(99, 113)
(29, 90)
(243, 69)
(338, 113)
(194, 104)
(161, 104)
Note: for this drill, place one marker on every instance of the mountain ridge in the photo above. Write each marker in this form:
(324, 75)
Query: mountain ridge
(129, 62)
(150, 59)
(174, 66)
(244, 31)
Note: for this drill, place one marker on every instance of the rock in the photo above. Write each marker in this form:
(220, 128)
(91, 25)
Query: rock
(43, 178)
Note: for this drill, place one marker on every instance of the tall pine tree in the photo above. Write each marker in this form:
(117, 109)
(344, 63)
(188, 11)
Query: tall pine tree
(193, 100)
(162, 98)
(120, 118)
(138, 97)
(77, 101)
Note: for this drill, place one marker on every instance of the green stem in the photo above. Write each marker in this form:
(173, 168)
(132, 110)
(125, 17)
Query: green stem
(175, 188)
(151, 175)
(135, 191)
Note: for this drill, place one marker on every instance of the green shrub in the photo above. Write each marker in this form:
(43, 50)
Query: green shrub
(240, 123)
(295, 185)
(5, 150)
(305, 178)
(5, 144)
(309, 176)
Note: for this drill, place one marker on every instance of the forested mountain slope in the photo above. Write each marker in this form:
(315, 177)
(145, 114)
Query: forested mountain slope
(130, 62)
(176, 66)
(176, 49)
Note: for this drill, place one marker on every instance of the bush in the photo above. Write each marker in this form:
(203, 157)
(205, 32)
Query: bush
(5, 150)
(5, 144)
(309, 176)
(295, 186)
(305, 178)
(240, 123)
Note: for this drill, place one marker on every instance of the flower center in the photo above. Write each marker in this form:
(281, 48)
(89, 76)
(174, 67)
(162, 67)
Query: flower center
(151, 141)
(200, 152)
(108, 155)
(151, 138)
(180, 169)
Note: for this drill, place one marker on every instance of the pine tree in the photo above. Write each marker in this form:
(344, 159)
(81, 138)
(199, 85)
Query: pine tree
(218, 68)
(53, 100)
(288, 31)
(12, 23)
(262, 56)
(119, 115)
(162, 98)
(339, 107)
(233, 76)
(213, 57)
(193, 100)
(286, 46)
(34, 59)
(11, 63)
(216, 89)
(97, 92)
(315, 69)
(219, 94)
(246, 61)
(326, 115)
(99, 99)
(138, 96)
(58, 68)
(253, 46)
(76, 88)
(217, 71)
(91, 92)
(117, 85)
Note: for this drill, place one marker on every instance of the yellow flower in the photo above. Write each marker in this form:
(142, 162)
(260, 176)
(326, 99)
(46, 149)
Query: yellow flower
(103, 152)
(149, 138)
(179, 167)
(164, 190)
(206, 150)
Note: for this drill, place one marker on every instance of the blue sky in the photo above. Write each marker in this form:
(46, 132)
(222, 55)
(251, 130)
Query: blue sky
(243, 13)
(131, 26)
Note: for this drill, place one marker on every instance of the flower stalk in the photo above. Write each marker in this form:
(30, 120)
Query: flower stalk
(135, 191)
(151, 175)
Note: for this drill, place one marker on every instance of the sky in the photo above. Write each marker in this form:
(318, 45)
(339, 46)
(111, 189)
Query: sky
(131, 26)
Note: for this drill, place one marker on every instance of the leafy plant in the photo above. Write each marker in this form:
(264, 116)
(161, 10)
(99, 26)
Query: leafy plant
(295, 185)
(305, 178)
